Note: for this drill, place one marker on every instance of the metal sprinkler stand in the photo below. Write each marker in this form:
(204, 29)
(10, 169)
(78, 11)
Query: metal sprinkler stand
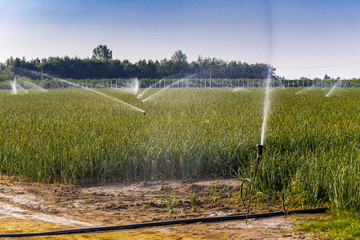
(252, 181)
(260, 149)
(259, 154)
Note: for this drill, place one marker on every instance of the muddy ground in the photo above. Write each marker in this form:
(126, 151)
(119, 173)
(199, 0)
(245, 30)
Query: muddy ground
(33, 207)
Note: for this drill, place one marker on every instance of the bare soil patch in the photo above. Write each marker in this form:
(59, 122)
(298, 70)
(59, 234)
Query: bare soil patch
(32, 207)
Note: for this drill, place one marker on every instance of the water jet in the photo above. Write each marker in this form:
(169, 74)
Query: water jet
(164, 89)
(334, 87)
(157, 83)
(132, 87)
(13, 86)
(99, 93)
(36, 86)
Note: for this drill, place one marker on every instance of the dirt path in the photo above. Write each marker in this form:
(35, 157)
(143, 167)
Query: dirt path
(35, 207)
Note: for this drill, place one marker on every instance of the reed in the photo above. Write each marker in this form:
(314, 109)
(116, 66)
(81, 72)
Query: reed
(311, 150)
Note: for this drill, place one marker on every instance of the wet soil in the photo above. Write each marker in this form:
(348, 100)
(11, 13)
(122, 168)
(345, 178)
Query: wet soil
(34, 207)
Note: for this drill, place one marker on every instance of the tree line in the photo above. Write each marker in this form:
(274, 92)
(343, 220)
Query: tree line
(101, 65)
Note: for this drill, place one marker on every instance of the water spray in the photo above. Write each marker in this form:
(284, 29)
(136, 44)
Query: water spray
(13, 86)
(107, 96)
(164, 89)
(157, 83)
(36, 86)
(79, 86)
(334, 87)
(102, 94)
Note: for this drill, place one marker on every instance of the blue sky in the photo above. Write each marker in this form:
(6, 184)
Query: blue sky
(302, 34)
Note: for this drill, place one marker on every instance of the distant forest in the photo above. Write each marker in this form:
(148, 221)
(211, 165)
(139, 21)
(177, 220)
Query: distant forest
(101, 65)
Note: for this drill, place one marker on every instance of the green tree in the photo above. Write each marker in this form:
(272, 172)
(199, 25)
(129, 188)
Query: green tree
(102, 53)
(6, 73)
(326, 77)
(179, 56)
(178, 64)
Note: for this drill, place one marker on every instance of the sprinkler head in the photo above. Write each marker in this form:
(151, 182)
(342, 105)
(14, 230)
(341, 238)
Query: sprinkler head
(260, 149)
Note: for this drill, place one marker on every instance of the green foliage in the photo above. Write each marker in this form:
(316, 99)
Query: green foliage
(6, 73)
(311, 150)
(170, 199)
(102, 53)
(338, 225)
(101, 65)
(228, 192)
(192, 199)
(213, 190)
(75, 136)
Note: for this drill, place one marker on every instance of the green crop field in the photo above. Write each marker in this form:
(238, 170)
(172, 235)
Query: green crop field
(311, 150)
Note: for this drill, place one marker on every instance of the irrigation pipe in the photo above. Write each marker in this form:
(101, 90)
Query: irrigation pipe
(165, 223)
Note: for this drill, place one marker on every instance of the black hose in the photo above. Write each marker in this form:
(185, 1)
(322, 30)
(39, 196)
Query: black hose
(165, 223)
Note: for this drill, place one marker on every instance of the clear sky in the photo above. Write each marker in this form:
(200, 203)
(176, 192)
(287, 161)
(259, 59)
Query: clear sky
(295, 36)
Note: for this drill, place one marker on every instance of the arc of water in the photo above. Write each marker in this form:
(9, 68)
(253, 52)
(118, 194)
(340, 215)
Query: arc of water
(281, 84)
(269, 73)
(94, 91)
(135, 85)
(333, 89)
(164, 89)
(21, 88)
(308, 88)
(142, 94)
(132, 87)
(13, 86)
(36, 86)
(241, 89)
(266, 108)
(102, 94)
(124, 90)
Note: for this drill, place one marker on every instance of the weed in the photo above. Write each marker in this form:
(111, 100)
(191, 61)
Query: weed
(213, 190)
(170, 199)
(192, 200)
(228, 192)
(337, 225)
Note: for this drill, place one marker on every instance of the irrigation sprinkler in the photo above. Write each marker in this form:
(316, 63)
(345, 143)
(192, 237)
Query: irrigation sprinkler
(260, 150)
(259, 154)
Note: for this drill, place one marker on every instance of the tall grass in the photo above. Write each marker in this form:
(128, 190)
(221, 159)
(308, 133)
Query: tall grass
(73, 136)
(312, 149)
